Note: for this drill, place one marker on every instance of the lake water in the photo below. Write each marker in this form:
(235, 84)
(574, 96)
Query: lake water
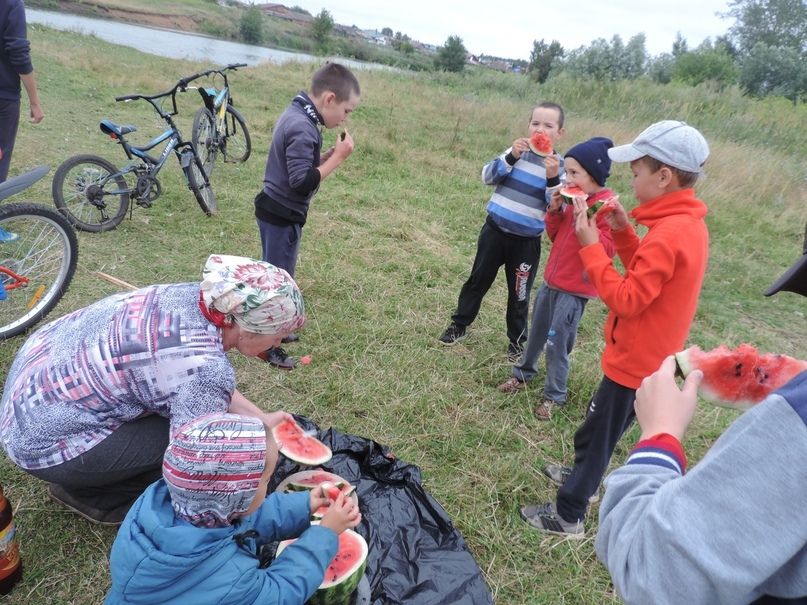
(178, 45)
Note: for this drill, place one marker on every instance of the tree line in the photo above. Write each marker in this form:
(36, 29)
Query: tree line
(764, 52)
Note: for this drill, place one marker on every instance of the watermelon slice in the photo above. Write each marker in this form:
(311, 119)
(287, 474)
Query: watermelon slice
(571, 191)
(294, 443)
(344, 572)
(738, 378)
(304, 480)
(541, 144)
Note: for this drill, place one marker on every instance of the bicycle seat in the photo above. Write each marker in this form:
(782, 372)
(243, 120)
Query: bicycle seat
(110, 128)
(22, 181)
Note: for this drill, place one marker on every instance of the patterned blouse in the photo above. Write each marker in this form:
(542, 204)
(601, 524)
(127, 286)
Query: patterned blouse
(77, 379)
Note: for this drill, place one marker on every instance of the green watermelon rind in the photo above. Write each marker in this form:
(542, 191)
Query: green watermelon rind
(326, 455)
(686, 365)
(540, 152)
(296, 481)
(338, 593)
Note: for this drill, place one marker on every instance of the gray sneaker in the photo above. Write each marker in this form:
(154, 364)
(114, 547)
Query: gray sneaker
(544, 517)
(102, 517)
(558, 474)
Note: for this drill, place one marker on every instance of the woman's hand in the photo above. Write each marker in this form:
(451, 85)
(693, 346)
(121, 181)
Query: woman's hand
(272, 419)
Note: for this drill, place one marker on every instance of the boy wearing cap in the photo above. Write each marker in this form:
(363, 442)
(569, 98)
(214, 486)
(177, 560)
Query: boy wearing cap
(562, 297)
(511, 235)
(732, 518)
(196, 535)
(651, 306)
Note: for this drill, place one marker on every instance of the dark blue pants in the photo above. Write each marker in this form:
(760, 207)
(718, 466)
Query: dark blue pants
(520, 256)
(280, 244)
(609, 415)
(9, 121)
(117, 470)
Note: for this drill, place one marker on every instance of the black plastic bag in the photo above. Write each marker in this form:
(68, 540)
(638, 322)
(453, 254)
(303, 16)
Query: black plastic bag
(416, 556)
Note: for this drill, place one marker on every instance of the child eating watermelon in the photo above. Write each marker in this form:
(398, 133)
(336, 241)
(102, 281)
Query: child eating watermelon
(511, 235)
(195, 535)
(651, 305)
(729, 530)
(562, 298)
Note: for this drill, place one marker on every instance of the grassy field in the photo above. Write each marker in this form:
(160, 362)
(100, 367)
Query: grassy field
(389, 242)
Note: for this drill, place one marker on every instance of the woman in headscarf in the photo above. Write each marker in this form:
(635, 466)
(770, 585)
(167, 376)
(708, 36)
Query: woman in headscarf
(91, 399)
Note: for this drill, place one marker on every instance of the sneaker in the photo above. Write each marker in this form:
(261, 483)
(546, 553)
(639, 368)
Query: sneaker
(511, 385)
(544, 517)
(279, 358)
(7, 236)
(558, 474)
(290, 338)
(514, 352)
(453, 334)
(94, 515)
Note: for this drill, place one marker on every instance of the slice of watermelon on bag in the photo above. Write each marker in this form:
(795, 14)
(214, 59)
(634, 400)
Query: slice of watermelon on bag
(344, 572)
(294, 443)
(541, 144)
(738, 378)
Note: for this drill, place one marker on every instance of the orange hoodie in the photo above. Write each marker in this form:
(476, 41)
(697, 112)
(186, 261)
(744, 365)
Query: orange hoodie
(653, 304)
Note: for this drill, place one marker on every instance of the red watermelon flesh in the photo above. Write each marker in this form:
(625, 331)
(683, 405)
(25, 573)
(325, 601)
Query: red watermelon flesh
(541, 144)
(296, 445)
(310, 479)
(740, 377)
(332, 491)
(571, 191)
(344, 571)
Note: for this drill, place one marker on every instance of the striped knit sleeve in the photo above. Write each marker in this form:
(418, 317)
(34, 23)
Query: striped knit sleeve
(660, 450)
(496, 170)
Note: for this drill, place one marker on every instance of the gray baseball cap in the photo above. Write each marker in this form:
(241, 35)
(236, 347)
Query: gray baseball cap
(671, 142)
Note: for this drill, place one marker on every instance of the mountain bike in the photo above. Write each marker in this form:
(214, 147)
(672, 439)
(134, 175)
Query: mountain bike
(38, 255)
(218, 127)
(94, 195)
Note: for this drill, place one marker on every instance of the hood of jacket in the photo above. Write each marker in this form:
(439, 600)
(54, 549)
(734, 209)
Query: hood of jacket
(158, 557)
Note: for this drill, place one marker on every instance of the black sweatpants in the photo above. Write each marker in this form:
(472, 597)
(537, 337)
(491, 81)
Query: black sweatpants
(520, 256)
(9, 120)
(609, 415)
(117, 470)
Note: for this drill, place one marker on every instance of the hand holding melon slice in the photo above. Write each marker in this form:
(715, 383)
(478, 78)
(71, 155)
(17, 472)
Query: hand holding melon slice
(738, 378)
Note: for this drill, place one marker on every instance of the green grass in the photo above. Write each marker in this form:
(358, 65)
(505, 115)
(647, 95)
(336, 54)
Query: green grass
(389, 242)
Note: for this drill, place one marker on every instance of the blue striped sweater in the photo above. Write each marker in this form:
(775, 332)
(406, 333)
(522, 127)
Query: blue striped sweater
(519, 202)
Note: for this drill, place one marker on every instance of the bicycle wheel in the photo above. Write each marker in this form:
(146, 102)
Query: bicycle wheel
(44, 253)
(84, 192)
(204, 138)
(236, 144)
(198, 183)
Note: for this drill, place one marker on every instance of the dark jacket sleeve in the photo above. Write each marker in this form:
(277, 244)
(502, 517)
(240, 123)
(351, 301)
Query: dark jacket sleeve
(16, 47)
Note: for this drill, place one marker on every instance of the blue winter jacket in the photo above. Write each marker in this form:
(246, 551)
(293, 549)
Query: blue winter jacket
(157, 558)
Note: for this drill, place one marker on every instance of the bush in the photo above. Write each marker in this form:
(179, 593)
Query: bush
(252, 25)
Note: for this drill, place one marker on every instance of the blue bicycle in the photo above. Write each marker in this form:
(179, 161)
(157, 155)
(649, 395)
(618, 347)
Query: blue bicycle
(94, 195)
(218, 127)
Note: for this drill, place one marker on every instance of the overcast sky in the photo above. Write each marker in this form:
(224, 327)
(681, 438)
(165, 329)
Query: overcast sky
(508, 28)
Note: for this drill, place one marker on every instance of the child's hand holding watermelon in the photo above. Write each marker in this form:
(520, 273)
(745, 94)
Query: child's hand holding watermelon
(661, 407)
(342, 514)
(317, 499)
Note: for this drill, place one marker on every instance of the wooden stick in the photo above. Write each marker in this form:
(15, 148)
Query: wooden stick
(115, 280)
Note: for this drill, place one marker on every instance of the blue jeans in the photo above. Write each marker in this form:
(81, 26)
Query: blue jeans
(553, 329)
(280, 244)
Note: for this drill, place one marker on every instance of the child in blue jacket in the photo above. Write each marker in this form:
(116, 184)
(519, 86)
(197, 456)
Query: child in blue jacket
(192, 537)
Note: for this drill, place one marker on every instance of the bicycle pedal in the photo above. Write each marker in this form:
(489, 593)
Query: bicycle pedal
(143, 203)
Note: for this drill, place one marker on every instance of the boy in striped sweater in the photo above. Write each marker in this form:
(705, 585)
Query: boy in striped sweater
(511, 235)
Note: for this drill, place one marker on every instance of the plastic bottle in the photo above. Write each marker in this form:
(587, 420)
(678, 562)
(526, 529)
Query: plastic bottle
(10, 563)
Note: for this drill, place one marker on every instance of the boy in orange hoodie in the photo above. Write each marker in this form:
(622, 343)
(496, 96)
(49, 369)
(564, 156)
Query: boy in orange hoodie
(651, 306)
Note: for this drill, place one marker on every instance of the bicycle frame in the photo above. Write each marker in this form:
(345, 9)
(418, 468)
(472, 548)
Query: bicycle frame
(171, 135)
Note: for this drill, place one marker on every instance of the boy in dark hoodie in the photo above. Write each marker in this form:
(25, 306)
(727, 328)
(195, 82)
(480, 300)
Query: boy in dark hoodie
(185, 539)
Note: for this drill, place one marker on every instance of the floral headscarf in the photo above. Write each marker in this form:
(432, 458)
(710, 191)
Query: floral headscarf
(258, 296)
